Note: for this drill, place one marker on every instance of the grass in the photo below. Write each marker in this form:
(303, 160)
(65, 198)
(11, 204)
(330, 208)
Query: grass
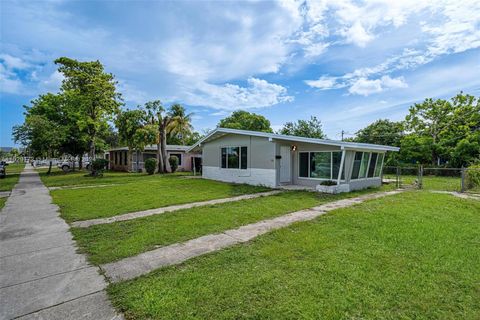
(146, 192)
(413, 255)
(2, 202)
(110, 242)
(57, 178)
(431, 182)
(13, 174)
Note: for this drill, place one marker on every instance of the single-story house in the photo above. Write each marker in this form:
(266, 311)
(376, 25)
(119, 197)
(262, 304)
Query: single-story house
(118, 158)
(275, 160)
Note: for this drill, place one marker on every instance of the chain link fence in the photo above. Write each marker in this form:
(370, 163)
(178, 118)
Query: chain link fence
(435, 179)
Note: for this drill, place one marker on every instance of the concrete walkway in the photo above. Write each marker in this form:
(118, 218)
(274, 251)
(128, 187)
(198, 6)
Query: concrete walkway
(41, 275)
(459, 194)
(151, 212)
(177, 253)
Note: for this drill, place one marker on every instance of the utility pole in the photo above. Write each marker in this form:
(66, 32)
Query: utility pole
(342, 134)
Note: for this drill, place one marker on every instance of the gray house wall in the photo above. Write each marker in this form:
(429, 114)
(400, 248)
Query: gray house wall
(263, 167)
(260, 164)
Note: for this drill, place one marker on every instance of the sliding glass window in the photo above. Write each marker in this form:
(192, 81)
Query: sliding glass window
(234, 157)
(319, 165)
(378, 168)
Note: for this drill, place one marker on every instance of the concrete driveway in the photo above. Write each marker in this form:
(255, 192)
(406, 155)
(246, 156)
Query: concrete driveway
(41, 275)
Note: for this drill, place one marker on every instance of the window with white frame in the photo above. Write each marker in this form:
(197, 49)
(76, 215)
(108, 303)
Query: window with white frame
(367, 165)
(320, 165)
(234, 158)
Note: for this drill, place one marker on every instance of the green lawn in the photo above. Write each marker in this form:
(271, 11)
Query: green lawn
(141, 193)
(58, 178)
(109, 242)
(2, 202)
(13, 174)
(431, 182)
(409, 256)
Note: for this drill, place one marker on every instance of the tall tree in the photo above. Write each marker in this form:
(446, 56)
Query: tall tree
(180, 127)
(244, 120)
(157, 117)
(44, 130)
(89, 89)
(129, 122)
(382, 131)
(304, 128)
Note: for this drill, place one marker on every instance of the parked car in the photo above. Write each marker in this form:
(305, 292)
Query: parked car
(67, 165)
(3, 172)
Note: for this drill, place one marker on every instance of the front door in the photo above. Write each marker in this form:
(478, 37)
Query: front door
(285, 165)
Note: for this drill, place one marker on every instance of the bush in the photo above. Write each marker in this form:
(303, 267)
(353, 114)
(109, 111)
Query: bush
(150, 165)
(173, 160)
(328, 183)
(98, 166)
(472, 176)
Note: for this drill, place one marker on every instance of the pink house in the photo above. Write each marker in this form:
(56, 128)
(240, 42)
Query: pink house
(118, 158)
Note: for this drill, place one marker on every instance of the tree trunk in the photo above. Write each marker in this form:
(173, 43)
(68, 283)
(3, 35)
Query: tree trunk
(92, 154)
(130, 160)
(138, 162)
(163, 136)
(80, 162)
(159, 156)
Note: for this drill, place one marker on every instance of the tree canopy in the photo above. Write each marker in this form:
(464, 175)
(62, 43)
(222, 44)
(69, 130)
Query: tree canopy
(244, 120)
(304, 128)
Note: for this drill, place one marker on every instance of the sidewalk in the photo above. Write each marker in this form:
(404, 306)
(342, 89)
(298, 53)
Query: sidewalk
(41, 275)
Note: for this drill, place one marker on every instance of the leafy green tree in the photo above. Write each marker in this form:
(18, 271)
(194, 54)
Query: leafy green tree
(383, 131)
(447, 123)
(42, 136)
(91, 91)
(129, 122)
(244, 120)
(304, 128)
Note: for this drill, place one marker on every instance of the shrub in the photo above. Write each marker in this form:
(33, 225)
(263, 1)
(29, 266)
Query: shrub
(472, 176)
(328, 183)
(150, 165)
(98, 166)
(173, 160)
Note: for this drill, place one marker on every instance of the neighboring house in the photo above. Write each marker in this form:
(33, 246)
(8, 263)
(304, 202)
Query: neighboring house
(274, 160)
(118, 158)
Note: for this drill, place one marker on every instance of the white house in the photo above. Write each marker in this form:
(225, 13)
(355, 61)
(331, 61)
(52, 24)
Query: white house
(274, 160)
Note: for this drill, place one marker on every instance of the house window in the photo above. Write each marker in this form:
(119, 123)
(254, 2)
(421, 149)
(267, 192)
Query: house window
(125, 157)
(371, 166)
(234, 157)
(320, 165)
(179, 157)
(378, 168)
(367, 165)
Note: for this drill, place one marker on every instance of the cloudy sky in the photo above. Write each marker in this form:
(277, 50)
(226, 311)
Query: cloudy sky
(346, 62)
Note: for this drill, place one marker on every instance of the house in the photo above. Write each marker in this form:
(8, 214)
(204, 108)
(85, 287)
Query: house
(118, 158)
(275, 160)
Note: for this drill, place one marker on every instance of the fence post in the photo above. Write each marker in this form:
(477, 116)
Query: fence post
(420, 177)
(398, 177)
(462, 185)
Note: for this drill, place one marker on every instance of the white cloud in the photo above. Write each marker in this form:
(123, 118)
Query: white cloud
(358, 35)
(11, 62)
(259, 93)
(53, 82)
(365, 87)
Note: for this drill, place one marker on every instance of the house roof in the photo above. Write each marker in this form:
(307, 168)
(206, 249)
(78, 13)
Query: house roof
(153, 147)
(220, 132)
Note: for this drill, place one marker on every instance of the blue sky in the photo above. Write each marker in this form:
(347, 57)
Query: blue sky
(346, 62)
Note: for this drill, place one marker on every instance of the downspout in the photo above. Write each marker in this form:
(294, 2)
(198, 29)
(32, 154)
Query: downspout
(339, 178)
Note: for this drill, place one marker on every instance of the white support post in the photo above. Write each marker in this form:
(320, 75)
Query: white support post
(341, 167)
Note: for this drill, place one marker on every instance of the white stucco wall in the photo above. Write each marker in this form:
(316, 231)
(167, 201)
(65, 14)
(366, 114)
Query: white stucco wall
(254, 176)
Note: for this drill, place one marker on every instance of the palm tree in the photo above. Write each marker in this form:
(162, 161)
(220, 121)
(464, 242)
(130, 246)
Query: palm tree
(180, 123)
